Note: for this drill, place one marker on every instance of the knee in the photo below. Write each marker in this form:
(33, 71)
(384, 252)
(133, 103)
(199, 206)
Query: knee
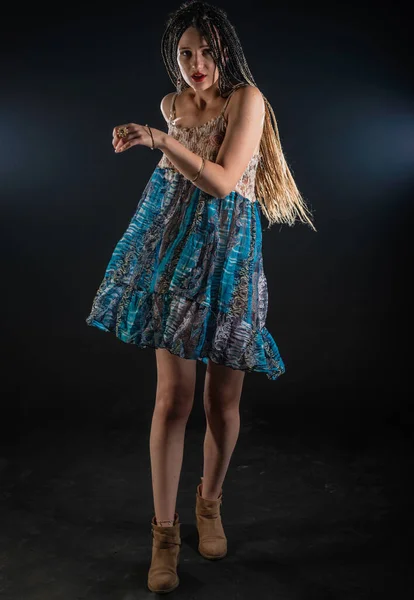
(175, 402)
(223, 408)
(222, 392)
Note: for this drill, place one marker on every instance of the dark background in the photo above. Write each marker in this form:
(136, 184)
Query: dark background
(340, 80)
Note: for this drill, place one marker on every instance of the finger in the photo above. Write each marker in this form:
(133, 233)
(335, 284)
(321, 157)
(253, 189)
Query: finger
(133, 134)
(124, 147)
(132, 131)
(125, 144)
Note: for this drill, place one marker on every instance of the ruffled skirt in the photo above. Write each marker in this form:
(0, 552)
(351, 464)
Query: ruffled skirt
(187, 275)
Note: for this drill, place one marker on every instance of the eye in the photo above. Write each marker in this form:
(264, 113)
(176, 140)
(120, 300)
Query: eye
(205, 50)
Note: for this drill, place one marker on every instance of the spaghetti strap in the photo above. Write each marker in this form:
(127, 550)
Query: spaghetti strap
(230, 95)
(172, 110)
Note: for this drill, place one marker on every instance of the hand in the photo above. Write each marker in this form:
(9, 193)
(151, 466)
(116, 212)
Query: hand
(138, 135)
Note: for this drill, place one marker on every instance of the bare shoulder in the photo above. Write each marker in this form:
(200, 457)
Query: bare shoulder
(246, 101)
(165, 105)
(244, 130)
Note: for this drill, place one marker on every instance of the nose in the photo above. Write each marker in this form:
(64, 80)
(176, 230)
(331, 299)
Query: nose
(198, 64)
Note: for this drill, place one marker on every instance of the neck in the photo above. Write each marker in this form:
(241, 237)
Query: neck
(205, 98)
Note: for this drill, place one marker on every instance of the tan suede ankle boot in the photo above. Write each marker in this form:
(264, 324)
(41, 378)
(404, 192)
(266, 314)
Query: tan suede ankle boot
(166, 542)
(212, 539)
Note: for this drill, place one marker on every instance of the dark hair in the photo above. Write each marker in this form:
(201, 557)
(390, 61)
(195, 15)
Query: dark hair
(214, 26)
(275, 188)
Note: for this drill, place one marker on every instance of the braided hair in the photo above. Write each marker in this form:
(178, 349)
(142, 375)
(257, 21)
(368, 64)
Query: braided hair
(275, 188)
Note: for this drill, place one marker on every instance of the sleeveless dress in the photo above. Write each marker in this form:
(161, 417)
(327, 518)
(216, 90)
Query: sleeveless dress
(187, 275)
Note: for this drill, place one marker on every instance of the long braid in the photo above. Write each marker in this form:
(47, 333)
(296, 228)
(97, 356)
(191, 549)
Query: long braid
(275, 188)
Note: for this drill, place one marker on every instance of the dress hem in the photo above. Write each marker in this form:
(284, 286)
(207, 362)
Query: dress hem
(204, 357)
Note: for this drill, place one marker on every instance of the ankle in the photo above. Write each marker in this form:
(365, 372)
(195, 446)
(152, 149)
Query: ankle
(208, 496)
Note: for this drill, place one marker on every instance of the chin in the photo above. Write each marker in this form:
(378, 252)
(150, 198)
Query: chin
(196, 85)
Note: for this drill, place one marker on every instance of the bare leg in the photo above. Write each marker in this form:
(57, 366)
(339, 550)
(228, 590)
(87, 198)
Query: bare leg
(176, 379)
(222, 393)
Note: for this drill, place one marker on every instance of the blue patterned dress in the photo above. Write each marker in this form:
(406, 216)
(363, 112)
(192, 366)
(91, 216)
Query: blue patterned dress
(187, 275)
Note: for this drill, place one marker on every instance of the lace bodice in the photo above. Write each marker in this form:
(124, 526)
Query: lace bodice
(205, 140)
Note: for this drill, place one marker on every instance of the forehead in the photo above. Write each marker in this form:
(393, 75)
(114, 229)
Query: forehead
(192, 37)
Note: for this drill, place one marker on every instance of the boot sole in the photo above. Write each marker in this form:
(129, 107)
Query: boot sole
(164, 591)
(214, 556)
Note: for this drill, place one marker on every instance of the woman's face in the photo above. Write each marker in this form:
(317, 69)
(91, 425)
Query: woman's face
(194, 56)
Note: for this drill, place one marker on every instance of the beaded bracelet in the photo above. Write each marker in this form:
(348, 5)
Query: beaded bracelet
(203, 162)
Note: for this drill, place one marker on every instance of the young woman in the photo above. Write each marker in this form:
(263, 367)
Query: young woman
(187, 276)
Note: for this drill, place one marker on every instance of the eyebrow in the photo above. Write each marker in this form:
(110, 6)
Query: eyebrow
(187, 48)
